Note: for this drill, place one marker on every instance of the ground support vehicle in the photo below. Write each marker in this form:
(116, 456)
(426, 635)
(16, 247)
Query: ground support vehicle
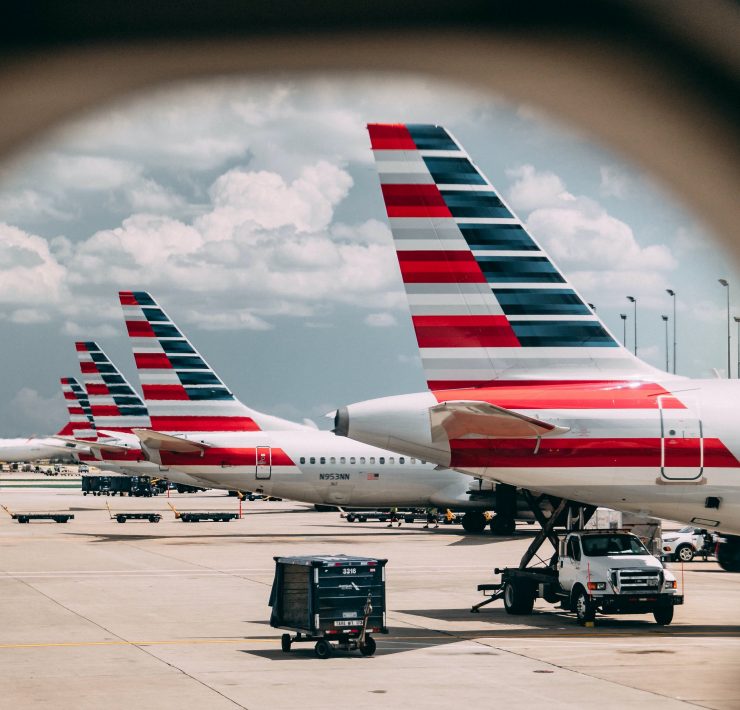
(122, 517)
(335, 601)
(607, 571)
(27, 517)
(198, 516)
(687, 543)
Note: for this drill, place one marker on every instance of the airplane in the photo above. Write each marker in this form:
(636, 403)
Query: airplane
(34, 448)
(526, 384)
(199, 428)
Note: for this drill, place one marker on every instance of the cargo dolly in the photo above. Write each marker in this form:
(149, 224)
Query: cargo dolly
(122, 517)
(27, 517)
(335, 601)
(215, 516)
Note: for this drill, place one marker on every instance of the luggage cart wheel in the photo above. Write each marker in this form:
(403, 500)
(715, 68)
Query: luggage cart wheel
(322, 648)
(368, 648)
(285, 643)
(121, 519)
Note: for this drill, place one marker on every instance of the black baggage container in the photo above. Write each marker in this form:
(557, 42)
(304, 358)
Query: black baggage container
(334, 600)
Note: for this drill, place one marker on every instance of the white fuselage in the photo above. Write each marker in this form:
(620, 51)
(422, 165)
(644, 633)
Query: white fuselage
(33, 449)
(658, 460)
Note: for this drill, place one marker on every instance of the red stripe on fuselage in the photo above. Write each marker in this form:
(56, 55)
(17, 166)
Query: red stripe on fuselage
(226, 456)
(568, 395)
(384, 136)
(439, 267)
(464, 331)
(578, 453)
(181, 423)
(414, 201)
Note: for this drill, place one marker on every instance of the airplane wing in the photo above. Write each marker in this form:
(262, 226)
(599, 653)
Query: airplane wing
(158, 441)
(99, 445)
(452, 420)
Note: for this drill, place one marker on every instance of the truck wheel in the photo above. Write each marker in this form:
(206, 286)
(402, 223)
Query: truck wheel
(153, 518)
(22, 519)
(684, 553)
(583, 607)
(285, 643)
(474, 522)
(322, 648)
(350, 518)
(518, 598)
(501, 525)
(368, 648)
(728, 554)
(663, 614)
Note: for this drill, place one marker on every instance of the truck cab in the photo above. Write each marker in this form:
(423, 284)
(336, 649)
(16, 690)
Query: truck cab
(612, 571)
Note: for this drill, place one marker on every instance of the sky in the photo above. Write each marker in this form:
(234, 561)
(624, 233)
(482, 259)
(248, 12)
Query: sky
(251, 211)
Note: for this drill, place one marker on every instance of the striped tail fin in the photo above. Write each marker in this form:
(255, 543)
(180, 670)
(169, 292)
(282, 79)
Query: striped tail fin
(487, 303)
(181, 391)
(80, 425)
(114, 403)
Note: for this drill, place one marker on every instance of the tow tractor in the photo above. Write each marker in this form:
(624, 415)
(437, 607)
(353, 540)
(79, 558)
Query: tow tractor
(606, 571)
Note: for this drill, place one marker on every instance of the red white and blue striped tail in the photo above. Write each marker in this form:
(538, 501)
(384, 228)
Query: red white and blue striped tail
(487, 303)
(114, 404)
(181, 391)
(80, 425)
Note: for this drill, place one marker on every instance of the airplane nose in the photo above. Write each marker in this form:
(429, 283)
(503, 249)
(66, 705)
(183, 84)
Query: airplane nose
(341, 422)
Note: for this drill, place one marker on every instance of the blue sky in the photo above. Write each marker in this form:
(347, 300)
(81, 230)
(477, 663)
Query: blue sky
(251, 211)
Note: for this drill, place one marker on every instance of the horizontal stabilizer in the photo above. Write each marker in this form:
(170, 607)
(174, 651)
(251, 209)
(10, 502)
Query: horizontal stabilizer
(99, 445)
(453, 420)
(158, 441)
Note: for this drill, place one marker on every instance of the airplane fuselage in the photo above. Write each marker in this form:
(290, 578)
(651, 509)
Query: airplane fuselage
(670, 450)
(32, 449)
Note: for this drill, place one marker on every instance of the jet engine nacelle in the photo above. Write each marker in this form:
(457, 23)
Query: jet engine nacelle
(401, 423)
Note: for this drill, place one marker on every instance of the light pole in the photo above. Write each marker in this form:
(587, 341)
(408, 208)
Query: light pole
(633, 300)
(623, 316)
(665, 320)
(737, 320)
(726, 284)
(672, 294)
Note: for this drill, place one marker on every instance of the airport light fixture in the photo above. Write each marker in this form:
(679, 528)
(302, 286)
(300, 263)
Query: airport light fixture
(623, 316)
(665, 320)
(726, 284)
(633, 300)
(737, 320)
(672, 294)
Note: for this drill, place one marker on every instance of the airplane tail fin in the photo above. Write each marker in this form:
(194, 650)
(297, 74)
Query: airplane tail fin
(487, 303)
(181, 390)
(114, 403)
(80, 425)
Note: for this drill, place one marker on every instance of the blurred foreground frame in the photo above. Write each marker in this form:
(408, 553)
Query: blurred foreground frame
(655, 80)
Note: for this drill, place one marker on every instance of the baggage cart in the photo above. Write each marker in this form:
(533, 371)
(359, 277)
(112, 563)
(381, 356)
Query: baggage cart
(27, 517)
(335, 601)
(197, 516)
(122, 517)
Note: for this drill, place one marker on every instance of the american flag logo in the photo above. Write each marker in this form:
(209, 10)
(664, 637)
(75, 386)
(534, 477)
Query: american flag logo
(373, 476)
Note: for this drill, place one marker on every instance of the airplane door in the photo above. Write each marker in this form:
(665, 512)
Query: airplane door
(681, 440)
(263, 465)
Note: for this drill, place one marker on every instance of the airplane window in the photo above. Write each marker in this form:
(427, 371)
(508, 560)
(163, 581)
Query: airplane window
(362, 459)
(322, 460)
(351, 459)
(382, 459)
(342, 460)
(303, 459)
(313, 459)
(332, 460)
(372, 459)
(412, 462)
(391, 459)
(401, 459)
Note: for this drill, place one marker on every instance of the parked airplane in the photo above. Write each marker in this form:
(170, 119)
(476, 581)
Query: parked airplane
(200, 428)
(34, 448)
(526, 385)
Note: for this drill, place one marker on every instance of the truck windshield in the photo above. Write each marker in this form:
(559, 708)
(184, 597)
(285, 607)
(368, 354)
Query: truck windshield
(603, 545)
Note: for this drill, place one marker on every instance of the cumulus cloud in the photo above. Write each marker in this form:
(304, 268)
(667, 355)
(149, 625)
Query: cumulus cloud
(614, 183)
(42, 415)
(380, 320)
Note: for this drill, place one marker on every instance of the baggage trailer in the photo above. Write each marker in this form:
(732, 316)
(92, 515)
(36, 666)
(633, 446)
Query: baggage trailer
(335, 601)
(27, 517)
(599, 570)
(198, 516)
(122, 517)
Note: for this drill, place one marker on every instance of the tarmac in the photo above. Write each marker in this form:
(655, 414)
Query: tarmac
(97, 614)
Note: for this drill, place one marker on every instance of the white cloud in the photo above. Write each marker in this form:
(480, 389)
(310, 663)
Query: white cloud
(534, 189)
(76, 330)
(380, 320)
(227, 320)
(90, 172)
(614, 183)
(42, 415)
(30, 316)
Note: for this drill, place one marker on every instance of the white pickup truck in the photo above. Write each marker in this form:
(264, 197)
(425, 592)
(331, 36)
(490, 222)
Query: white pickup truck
(608, 571)
(683, 545)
